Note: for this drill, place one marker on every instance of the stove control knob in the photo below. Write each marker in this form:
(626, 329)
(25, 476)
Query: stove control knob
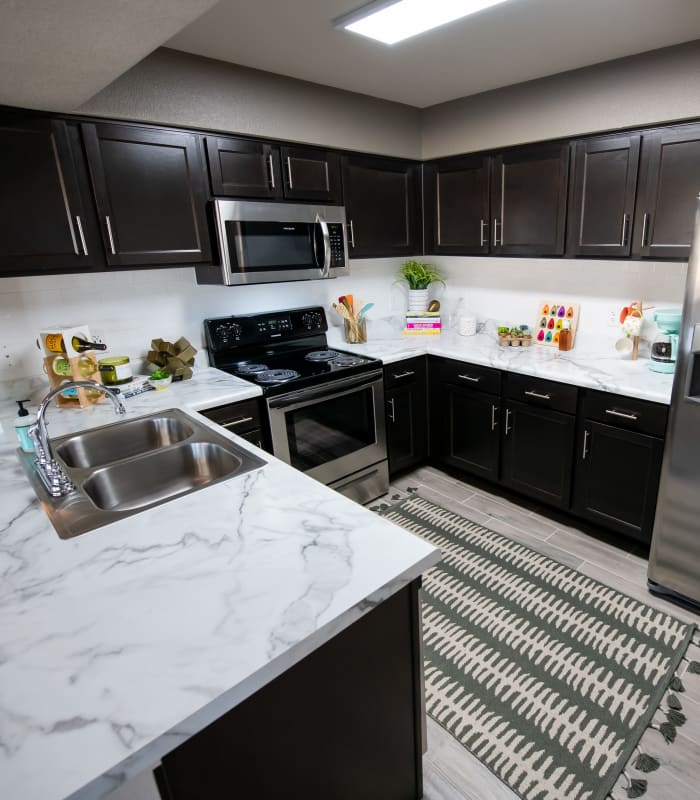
(312, 320)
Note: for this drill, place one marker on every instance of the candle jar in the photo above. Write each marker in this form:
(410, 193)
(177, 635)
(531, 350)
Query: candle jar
(355, 331)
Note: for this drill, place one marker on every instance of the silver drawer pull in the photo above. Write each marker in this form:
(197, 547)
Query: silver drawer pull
(406, 374)
(352, 234)
(271, 168)
(622, 414)
(469, 378)
(111, 237)
(392, 413)
(236, 422)
(539, 396)
(289, 172)
(509, 428)
(494, 411)
(586, 434)
(82, 235)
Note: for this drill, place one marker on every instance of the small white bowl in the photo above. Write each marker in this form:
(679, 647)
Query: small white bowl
(624, 346)
(161, 383)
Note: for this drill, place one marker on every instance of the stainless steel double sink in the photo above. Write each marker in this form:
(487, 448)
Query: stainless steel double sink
(127, 467)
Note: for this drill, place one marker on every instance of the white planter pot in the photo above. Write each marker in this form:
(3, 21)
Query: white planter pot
(417, 299)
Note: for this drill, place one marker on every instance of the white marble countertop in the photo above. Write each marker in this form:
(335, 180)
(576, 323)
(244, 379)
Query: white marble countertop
(119, 644)
(592, 363)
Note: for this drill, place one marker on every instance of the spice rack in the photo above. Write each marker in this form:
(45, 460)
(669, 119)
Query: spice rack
(77, 362)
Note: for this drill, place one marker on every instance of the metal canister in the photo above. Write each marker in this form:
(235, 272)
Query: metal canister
(115, 370)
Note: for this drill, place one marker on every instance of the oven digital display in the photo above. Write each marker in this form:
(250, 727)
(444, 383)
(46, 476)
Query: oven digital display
(275, 325)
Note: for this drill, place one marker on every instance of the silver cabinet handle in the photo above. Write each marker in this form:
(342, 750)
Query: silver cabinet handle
(531, 393)
(271, 168)
(352, 235)
(72, 236)
(482, 226)
(406, 374)
(623, 237)
(645, 221)
(236, 422)
(495, 233)
(586, 434)
(392, 413)
(509, 427)
(82, 235)
(111, 237)
(289, 172)
(469, 378)
(494, 411)
(623, 414)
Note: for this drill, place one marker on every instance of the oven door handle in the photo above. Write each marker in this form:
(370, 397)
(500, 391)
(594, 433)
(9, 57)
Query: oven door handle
(327, 391)
(326, 266)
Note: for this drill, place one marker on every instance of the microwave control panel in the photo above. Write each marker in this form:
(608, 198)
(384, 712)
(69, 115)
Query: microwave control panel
(335, 233)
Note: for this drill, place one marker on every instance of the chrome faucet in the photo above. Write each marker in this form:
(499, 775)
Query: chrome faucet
(53, 477)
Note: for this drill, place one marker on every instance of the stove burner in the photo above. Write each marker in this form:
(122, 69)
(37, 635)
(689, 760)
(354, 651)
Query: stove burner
(276, 375)
(347, 361)
(322, 355)
(246, 368)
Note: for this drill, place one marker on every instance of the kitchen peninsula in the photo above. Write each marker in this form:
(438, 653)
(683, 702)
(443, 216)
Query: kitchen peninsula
(124, 643)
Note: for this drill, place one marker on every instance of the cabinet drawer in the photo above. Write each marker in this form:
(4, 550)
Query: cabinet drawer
(547, 394)
(468, 376)
(239, 418)
(404, 372)
(625, 412)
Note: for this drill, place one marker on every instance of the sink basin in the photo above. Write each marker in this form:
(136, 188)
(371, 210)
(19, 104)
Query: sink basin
(121, 469)
(166, 474)
(122, 440)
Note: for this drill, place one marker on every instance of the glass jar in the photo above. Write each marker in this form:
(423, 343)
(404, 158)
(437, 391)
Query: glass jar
(115, 370)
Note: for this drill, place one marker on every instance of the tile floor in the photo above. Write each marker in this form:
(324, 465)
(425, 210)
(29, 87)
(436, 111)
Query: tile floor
(450, 772)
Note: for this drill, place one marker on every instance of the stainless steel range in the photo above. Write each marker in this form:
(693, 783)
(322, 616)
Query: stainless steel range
(326, 406)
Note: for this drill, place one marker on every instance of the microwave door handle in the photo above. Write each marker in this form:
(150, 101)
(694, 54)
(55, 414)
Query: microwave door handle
(326, 245)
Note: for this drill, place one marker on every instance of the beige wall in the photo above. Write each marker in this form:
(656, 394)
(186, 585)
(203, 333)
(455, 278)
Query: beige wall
(660, 86)
(177, 88)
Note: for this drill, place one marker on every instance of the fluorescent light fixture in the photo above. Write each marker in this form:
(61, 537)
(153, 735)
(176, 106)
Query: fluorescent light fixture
(395, 21)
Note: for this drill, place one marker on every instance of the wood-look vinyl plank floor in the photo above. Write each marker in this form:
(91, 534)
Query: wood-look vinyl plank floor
(450, 771)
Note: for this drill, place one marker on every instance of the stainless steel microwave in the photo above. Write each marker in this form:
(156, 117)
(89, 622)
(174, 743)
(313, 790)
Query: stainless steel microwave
(270, 242)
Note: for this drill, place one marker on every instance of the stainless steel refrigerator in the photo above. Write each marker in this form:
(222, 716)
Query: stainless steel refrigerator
(674, 562)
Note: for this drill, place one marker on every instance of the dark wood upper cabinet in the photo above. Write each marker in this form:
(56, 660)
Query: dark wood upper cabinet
(311, 174)
(149, 186)
(603, 188)
(669, 184)
(43, 222)
(528, 200)
(457, 206)
(382, 201)
(242, 168)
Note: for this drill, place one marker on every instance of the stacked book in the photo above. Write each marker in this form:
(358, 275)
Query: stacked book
(419, 323)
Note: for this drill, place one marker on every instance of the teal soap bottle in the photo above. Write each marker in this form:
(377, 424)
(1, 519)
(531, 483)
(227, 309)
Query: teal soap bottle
(22, 423)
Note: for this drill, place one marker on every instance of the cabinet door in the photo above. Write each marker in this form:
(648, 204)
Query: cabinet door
(617, 478)
(528, 201)
(242, 168)
(466, 430)
(43, 226)
(383, 206)
(457, 206)
(150, 192)
(602, 198)
(669, 184)
(311, 174)
(538, 452)
(405, 396)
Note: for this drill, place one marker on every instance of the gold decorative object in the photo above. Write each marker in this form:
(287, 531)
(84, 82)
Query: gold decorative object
(177, 359)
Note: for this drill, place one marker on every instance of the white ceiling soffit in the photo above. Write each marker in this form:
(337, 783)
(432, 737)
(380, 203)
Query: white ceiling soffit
(56, 54)
(512, 42)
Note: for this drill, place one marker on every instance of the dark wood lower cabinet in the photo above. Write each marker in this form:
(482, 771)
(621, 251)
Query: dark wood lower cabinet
(405, 396)
(344, 723)
(538, 449)
(617, 478)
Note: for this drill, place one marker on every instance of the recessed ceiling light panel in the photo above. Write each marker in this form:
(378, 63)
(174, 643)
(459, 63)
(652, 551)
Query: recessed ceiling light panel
(394, 22)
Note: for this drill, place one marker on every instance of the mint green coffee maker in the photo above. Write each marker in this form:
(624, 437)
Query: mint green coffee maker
(664, 348)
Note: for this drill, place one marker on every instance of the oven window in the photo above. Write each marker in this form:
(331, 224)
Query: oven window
(271, 245)
(329, 429)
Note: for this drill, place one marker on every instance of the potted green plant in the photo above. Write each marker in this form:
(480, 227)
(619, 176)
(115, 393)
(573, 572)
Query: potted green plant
(418, 275)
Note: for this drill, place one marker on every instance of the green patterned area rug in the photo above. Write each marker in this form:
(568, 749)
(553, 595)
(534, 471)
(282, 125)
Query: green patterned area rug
(547, 676)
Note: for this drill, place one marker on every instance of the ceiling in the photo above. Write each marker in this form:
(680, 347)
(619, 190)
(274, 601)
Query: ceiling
(57, 55)
(513, 42)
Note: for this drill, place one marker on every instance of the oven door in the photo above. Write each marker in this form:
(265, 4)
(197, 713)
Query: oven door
(331, 431)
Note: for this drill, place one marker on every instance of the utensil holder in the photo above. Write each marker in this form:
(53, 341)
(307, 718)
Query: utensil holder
(355, 331)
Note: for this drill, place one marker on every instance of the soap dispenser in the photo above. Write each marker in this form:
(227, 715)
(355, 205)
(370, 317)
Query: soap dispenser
(22, 424)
